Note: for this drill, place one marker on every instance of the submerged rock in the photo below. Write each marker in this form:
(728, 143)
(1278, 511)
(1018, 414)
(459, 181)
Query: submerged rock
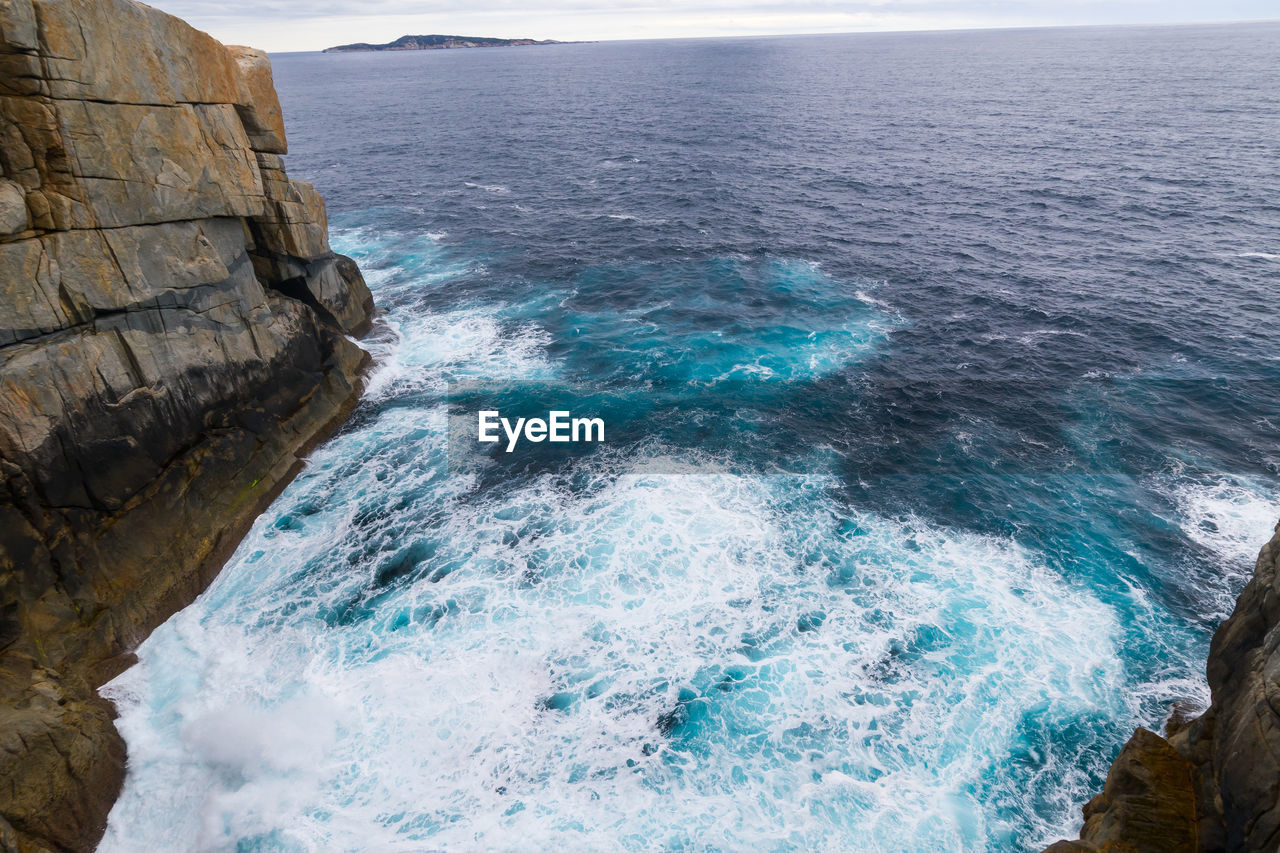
(173, 338)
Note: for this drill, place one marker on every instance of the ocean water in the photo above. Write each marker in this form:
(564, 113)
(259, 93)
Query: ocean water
(973, 338)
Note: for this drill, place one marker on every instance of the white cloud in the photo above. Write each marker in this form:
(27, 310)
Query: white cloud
(283, 25)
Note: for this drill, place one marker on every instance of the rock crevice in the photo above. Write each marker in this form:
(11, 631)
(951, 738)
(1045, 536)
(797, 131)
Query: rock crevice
(174, 336)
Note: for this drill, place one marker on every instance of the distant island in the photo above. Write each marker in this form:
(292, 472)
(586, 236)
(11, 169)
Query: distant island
(435, 42)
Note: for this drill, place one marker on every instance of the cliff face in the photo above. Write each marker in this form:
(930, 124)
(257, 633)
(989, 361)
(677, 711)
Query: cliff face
(1214, 784)
(173, 335)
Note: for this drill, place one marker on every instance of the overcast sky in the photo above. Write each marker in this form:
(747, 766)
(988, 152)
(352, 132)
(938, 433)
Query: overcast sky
(283, 25)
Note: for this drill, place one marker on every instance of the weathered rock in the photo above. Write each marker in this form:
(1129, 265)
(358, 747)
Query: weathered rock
(141, 164)
(259, 105)
(1147, 805)
(294, 223)
(359, 301)
(61, 725)
(173, 337)
(1229, 756)
(13, 209)
(1244, 740)
(128, 53)
(1069, 847)
(18, 25)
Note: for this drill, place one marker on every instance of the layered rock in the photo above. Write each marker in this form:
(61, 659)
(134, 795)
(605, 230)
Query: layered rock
(174, 335)
(1214, 784)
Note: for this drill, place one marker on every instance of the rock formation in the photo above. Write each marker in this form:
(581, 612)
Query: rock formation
(1214, 784)
(173, 336)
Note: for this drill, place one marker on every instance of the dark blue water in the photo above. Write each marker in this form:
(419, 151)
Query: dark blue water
(970, 340)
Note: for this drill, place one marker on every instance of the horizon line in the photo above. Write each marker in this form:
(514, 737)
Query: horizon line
(995, 27)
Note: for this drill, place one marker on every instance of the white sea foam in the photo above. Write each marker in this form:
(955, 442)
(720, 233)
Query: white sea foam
(1034, 337)
(427, 351)
(1230, 517)
(417, 350)
(496, 189)
(857, 676)
(627, 217)
(399, 264)
(642, 651)
(872, 300)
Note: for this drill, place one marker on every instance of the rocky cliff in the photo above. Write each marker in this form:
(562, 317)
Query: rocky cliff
(1213, 784)
(173, 336)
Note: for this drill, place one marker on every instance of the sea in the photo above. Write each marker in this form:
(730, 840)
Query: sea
(941, 379)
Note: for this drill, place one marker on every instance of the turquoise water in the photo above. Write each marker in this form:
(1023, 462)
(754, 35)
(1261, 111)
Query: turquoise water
(893, 542)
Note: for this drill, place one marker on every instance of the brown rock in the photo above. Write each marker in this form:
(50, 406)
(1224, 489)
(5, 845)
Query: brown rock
(33, 154)
(1244, 677)
(29, 291)
(1229, 756)
(143, 164)
(173, 338)
(60, 725)
(17, 26)
(13, 208)
(89, 50)
(259, 105)
(294, 223)
(1148, 803)
(1181, 715)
